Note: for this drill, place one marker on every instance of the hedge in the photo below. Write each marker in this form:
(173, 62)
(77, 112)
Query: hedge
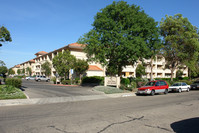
(15, 82)
(125, 81)
(93, 79)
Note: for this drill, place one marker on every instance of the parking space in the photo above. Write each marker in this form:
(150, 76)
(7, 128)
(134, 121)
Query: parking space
(35, 89)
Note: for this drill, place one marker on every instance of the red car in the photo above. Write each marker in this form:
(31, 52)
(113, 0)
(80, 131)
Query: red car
(152, 87)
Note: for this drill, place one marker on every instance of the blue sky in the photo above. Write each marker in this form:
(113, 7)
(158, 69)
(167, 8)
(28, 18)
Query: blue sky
(46, 25)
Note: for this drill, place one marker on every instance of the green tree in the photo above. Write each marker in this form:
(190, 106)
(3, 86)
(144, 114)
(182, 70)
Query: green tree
(3, 70)
(179, 74)
(80, 67)
(18, 71)
(181, 44)
(29, 71)
(140, 71)
(63, 62)
(4, 35)
(11, 71)
(120, 36)
(2, 63)
(46, 67)
(23, 71)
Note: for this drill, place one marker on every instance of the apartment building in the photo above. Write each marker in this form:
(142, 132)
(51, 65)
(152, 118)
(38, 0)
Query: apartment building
(159, 70)
(95, 69)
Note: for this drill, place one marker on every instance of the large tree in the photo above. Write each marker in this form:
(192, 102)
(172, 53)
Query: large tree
(181, 44)
(46, 67)
(80, 67)
(4, 35)
(63, 62)
(120, 36)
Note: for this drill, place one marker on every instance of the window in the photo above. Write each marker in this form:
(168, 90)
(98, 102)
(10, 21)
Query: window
(184, 84)
(162, 83)
(157, 84)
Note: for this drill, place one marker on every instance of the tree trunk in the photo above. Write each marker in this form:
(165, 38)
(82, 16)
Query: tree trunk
(80, 78)
(172, 70)
(119, 71)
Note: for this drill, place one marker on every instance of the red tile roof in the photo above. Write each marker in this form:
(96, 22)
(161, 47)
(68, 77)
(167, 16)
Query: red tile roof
(32, 61)
(17, 66)
(94, 68)
(76, 45)
(41, 53)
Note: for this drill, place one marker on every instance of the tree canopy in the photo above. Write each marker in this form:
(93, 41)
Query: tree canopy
(80, 67)
(4, 35)
(140, 71)
(29, 71)
(11, 71)
(46, 67)
(63, 62)
(3, 70)
(121, 35)
(181, 42)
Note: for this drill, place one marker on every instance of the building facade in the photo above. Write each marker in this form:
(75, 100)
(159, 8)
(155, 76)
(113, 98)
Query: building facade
(95, 69)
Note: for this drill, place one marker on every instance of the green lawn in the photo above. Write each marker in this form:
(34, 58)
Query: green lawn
(10, 92)
(109, 90)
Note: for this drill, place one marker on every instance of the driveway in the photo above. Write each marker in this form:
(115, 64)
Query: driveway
(35, 89)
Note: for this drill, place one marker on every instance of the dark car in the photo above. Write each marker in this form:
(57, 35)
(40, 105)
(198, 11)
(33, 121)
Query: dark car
(195, 85)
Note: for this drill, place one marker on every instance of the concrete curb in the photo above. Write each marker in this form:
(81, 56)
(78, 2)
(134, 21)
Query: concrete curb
(61, 99)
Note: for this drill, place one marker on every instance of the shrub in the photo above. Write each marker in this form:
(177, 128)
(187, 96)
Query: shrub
(185, 78)
(66, 82)
(94, 79)
(125, 81)
(15, 82)
(53, 79)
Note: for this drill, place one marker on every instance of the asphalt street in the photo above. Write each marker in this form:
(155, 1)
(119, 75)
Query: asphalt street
(175, 112)
(35, 89)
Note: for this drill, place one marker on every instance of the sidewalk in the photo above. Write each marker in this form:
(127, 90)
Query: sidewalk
(61, 99)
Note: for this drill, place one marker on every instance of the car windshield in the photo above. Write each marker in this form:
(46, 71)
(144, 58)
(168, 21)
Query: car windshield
(177, 84)
(150, 84)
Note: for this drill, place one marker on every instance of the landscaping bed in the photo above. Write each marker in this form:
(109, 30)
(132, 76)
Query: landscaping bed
(109, 89)
(10, 92)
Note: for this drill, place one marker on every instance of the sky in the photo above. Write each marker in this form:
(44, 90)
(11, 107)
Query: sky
(46, 25)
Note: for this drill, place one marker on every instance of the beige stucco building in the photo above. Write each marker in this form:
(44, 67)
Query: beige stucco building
(159, 70)
(95, 69)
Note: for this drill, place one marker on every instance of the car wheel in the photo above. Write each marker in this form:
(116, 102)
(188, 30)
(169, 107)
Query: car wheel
(180, 90)
(188, 89)
(166, 91)
(39, 80)
(152, 92)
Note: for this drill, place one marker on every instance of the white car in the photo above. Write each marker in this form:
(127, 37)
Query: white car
(30, 78)
(179, 87)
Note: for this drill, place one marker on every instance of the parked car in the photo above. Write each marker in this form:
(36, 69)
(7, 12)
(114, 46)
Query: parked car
(179, 87)
(42, 78)
(153, 87)
(30, 78)
(195, 85)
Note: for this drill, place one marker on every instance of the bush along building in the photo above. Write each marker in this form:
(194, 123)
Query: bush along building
(95, 69)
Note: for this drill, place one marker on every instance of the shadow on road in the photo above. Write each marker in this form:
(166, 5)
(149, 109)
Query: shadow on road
(186, 126)
(23, 88)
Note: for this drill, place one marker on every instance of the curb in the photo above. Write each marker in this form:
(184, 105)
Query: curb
(39, 101)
